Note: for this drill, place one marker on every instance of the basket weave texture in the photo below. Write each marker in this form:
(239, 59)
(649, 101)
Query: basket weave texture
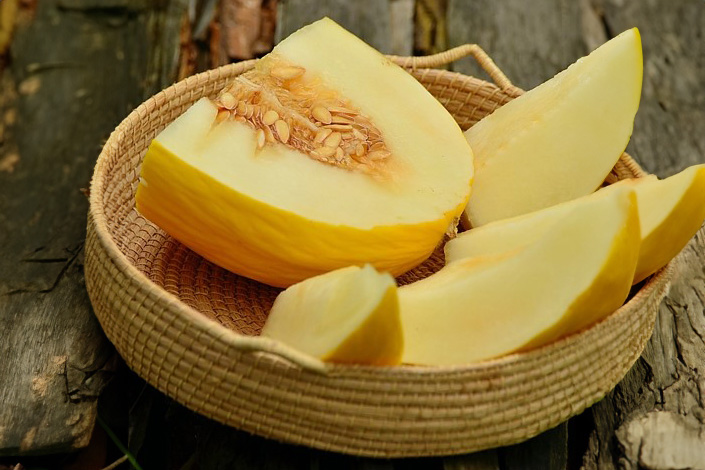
(190, 328)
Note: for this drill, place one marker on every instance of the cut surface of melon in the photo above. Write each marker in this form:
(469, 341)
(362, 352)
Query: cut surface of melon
(247, 180)
(558, 141)
(350, 315)
(507, 235)
(478, 308)
(671, 211)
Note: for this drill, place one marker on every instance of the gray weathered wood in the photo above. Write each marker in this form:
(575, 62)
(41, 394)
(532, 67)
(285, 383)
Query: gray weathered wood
(529, 41)
(384, 24)
(486, 460)
(653, 419)
(78, 67)
(668, 133)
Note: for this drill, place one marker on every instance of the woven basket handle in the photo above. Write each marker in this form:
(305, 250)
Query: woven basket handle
(451, 55)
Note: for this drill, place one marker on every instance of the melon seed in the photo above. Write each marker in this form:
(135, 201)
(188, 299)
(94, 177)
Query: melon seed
(287, 72)
(222, 115)
(333, 140)
(321, 114)
(321, 136)
(378, 155)
(282, 130)
(325, 151)
(360, 150)
(228, 101)
(340, 120)
(339, 127)
(270, 117)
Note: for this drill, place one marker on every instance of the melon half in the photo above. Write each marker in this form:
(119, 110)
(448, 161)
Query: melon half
(325, 155)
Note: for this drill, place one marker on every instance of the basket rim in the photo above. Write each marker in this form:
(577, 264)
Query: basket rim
(275, 349)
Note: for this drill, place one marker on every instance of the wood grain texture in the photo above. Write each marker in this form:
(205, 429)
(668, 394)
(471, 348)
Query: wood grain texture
(77, 68)
(529, 41)
(654, 418)
(668, 133)
(381, 23)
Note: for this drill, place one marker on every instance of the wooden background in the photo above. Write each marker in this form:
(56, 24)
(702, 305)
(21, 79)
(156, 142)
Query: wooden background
(70, 70)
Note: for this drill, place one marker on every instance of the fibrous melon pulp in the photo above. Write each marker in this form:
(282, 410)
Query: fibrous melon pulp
(324, 155)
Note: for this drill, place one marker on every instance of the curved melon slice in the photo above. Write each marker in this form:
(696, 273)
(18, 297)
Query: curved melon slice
(484, 307)
(558, 141)
(671, 211)
(518, 232)
(350, 315)
(323, 156)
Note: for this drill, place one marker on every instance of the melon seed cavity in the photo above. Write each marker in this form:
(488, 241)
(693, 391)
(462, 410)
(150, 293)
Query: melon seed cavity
(287, 106)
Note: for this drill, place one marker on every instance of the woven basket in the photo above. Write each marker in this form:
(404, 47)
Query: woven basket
(190, 328)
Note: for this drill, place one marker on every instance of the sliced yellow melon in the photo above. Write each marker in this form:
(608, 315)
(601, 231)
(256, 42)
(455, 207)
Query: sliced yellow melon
(558, 141)
(488, 306)
(324, 155)
(671, 211)
(350, 315)
(518, 232)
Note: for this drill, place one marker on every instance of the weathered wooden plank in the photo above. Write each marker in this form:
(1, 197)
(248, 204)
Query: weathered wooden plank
(486, 460)
(653, 419)
(668, 133)
(381, 23)
(547, 451)
(78, 66)
(430, 34)
(529, 41)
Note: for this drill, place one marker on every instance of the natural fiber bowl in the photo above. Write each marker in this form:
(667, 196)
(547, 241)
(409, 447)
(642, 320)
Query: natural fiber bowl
(190, 328)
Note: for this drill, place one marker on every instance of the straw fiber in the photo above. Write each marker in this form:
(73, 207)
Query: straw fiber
(190, 328)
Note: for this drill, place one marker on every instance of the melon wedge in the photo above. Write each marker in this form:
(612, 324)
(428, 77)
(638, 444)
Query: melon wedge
(325, 155)
(518, 232)
(350, 315)
(671, 211)
(483, 307)
(558, 141)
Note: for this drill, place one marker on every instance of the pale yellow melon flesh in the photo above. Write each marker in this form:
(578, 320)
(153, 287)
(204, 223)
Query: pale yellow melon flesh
(277, 215)
(518, 232)
(485, 307)
(671, 211)
(350, 315)
(558, 141)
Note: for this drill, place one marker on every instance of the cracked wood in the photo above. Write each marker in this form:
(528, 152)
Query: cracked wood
(76, 68)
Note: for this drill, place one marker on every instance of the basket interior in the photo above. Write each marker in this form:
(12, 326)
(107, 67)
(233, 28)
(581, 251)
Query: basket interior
(238, 303)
